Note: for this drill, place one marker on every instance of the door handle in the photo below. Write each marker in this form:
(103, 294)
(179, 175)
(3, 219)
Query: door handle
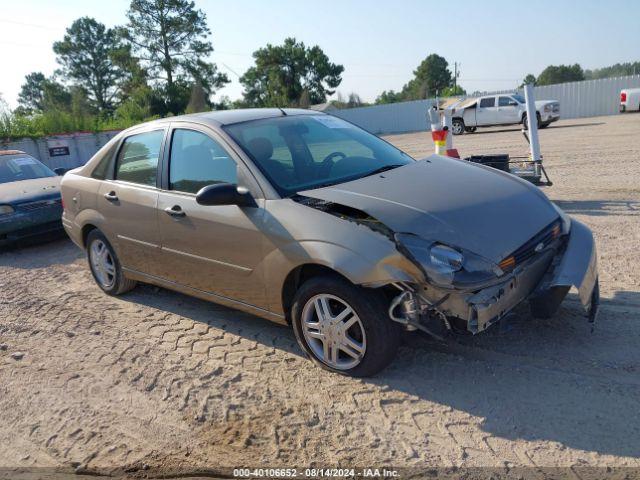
(111, 196)
(175, 211)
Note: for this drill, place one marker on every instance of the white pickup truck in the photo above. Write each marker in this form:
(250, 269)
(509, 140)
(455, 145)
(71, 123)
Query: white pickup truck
(503, 109)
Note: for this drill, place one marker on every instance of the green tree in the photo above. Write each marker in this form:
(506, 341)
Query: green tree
(31, 96)
(453, 91)
(617, 70)
(39, 93)
(85, 55)
(560, 74)
(283, 72)
(529, 79)
(389, 96)
(430, 78)
(171, 38)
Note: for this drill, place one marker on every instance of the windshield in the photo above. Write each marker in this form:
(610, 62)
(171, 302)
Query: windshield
(519, 98)
(310, 151)
(23, 167)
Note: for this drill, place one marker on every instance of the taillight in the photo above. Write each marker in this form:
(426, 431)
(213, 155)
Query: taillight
(623, 97)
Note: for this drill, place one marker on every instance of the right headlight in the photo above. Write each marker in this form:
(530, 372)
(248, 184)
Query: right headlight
(6, 209)
(446, 266)
(566, 219)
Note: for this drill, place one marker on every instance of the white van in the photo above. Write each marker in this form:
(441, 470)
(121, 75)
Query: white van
(630, 100)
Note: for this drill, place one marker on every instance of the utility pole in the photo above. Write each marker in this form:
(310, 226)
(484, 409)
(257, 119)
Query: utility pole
(455, 76)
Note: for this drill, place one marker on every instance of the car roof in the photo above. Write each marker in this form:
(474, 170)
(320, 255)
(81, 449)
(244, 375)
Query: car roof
(228, 117)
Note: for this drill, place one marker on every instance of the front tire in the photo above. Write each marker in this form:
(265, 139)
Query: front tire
(105, 266)
(457, 126)
(344, 328)
(525, 121)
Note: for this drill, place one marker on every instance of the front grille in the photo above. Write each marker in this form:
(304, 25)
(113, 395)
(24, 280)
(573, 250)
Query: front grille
(556, 108)
(539, 242)
(38, 205)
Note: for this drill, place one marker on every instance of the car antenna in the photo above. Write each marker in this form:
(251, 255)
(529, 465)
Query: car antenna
(283, 112)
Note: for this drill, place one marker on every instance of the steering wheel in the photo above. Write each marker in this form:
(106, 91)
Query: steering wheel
(328, 162)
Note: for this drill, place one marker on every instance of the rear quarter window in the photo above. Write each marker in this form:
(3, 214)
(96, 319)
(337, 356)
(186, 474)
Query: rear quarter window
(102, 171)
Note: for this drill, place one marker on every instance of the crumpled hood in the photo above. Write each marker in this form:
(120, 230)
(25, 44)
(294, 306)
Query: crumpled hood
(488, 212)
(24, 190)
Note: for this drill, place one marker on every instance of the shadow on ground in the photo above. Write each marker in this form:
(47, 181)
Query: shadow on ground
(41, 252)
(518, 128)
(600, 207)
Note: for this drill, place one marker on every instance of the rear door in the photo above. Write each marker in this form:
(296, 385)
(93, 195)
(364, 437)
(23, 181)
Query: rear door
(129, 201)
(216, 249)
(486, 111)
(507, 111)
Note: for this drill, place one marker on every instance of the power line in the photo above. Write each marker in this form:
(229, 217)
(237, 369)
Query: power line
(26, 24)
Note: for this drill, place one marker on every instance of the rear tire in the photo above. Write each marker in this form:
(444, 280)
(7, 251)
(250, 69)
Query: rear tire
(365, 340)
(457, 126)
(105, 266)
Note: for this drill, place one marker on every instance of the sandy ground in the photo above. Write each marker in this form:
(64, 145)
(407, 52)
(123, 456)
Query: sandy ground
(157, 382)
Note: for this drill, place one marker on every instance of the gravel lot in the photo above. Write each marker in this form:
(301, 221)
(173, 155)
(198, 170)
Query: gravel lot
(158, 382)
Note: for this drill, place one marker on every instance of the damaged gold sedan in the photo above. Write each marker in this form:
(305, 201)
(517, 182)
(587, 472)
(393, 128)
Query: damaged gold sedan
(308, 220)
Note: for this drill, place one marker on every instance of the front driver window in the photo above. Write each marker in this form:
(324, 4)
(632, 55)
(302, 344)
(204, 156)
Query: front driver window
(505, 101)
(197, 161)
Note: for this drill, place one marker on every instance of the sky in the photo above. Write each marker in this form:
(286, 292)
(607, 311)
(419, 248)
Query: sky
(495, 42)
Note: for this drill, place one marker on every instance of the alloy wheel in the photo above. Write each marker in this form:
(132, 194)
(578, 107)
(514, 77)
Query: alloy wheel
(333, 331)
(102, 264)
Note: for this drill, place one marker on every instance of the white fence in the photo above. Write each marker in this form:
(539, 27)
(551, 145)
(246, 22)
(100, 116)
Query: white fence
(80, 148)
(589, 98)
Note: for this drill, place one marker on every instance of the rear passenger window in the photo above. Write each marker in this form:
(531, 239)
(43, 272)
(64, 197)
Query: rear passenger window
(488, 102)
(197, 161)
(138, 158)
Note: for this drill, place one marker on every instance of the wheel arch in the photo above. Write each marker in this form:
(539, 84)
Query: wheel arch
(86, 230)
(296, 277)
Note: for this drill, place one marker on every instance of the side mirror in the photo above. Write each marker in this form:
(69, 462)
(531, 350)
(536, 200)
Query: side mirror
(60, 171)
(225, 194)
(513, 104)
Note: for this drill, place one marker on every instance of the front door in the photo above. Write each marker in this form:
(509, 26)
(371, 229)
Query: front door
(508, 112)
(216, 249)
(486, 111)
(129, 201)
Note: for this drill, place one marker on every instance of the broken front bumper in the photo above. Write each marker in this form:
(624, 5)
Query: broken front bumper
(544, 281)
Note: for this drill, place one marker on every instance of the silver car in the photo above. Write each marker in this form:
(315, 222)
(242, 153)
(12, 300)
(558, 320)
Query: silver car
(308, 220)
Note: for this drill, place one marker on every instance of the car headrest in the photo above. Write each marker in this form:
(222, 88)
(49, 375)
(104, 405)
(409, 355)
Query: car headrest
(261, 148)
